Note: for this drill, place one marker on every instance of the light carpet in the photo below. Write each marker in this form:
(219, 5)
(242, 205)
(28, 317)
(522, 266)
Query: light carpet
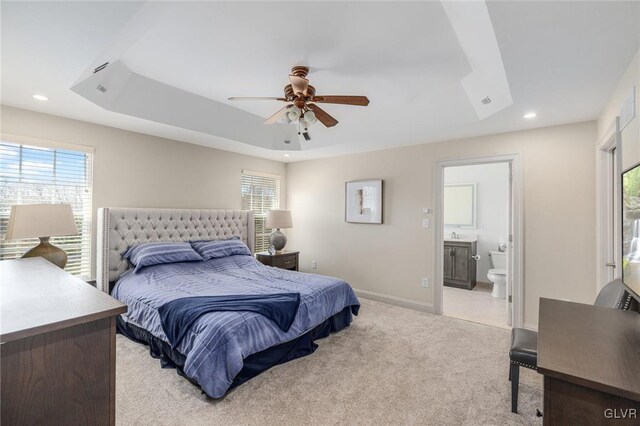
(392, 366)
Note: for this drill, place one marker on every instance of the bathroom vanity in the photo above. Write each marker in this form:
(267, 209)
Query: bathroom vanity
(460, 263)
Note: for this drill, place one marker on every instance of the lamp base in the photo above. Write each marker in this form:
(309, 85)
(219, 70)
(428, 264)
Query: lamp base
(277, 239)
(53, 254)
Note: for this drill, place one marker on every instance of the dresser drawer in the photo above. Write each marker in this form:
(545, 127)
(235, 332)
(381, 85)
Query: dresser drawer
(289, 261)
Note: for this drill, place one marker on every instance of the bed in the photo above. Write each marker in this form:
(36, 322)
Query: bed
(221, 349)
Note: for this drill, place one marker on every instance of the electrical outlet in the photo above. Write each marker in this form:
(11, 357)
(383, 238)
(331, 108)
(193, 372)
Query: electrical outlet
(425, 282)
(314, 264)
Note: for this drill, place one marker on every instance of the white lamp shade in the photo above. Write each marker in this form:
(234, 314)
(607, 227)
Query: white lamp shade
(310, 117)
(40, 220)
(279, 219)
(294, 113)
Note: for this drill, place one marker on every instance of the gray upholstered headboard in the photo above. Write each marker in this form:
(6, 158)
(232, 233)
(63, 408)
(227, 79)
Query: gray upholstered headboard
(120, 228)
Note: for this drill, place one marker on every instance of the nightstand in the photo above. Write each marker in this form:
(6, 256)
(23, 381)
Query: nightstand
(282, 259)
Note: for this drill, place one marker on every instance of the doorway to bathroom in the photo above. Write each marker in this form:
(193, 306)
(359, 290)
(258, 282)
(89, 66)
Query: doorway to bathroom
(478, 247)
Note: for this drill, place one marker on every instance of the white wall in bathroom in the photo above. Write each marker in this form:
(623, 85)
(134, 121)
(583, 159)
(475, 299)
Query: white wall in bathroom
(492, 186)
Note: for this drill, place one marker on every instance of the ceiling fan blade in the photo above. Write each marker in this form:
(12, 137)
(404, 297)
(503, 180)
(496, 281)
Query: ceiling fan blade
(278, 115)
(255, 98)
(322, 116)
(299, 84)
(344, 100)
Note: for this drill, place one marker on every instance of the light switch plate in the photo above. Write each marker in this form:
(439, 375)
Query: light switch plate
(426, 223)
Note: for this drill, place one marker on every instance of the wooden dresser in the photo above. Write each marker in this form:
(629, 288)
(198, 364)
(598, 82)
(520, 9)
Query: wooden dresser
(590, 359)
(57, 336)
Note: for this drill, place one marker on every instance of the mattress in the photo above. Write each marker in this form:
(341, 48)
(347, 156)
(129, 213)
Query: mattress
(218, 342)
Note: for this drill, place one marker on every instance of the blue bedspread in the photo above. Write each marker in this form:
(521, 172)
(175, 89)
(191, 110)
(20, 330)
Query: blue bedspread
(179, 315)
(218, 342)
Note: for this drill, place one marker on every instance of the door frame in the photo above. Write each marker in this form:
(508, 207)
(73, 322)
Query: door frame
(606, 184)
(516, 252)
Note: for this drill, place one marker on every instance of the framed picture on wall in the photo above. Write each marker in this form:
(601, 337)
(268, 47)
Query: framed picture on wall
(363, 201)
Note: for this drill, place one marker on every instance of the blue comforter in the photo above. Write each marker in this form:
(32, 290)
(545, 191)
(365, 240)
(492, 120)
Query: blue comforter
(217, 343)
(179, 315)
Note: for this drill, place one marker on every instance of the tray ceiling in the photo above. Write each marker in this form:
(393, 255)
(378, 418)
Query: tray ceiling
(423, 65)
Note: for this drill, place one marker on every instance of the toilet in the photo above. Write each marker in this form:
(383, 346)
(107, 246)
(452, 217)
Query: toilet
(498, 275)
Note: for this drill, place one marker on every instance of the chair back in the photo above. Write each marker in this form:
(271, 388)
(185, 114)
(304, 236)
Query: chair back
(614, 295)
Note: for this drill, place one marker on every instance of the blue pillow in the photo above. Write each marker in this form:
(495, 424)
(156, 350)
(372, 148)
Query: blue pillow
(221, 248)
(148, 254)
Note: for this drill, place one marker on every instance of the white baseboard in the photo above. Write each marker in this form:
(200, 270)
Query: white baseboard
(397, 301)
(531, 327)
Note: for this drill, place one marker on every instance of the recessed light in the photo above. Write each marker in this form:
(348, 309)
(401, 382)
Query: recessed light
(40, 97)
(530, 115)
(287, 155)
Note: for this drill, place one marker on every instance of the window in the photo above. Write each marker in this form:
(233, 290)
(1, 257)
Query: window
(260, 192)
(32, 175)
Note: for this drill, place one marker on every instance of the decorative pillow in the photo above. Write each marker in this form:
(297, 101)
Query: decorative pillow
(221, 248)
(148, 254)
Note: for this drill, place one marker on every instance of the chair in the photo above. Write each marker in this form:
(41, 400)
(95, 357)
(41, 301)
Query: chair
(524, 343)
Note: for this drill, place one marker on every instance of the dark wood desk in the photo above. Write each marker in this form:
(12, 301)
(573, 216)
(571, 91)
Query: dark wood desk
(590, 359)
(57, 336)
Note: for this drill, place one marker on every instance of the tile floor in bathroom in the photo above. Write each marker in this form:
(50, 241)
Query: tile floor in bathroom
(475, 305)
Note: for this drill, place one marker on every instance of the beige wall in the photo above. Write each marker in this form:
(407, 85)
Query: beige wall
(630, 136)
(132, 169)
(136, 170)
(559, 220)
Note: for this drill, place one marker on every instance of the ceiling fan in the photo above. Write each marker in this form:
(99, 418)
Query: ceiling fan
(301, 101)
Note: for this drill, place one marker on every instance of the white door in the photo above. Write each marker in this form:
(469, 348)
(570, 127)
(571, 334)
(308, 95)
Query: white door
(510, 224)
(613, 271)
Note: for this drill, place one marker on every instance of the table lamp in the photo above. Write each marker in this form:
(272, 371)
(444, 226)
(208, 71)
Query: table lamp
(277, 219)
(42, 221)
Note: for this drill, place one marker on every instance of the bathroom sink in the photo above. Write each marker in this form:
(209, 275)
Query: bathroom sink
(460, 240)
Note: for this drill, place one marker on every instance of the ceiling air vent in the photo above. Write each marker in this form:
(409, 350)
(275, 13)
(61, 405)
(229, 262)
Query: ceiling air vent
(486, 101)
(101, 88)
(101, 67)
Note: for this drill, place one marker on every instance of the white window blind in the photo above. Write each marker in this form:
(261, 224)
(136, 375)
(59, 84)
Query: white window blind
(35, 175)
(260, 192)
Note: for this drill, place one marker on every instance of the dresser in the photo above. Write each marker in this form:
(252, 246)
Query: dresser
(58, 347)
(590, 359)
(282, 259)
(460, 264)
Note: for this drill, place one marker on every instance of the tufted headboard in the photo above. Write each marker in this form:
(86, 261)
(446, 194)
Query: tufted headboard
(120, 228)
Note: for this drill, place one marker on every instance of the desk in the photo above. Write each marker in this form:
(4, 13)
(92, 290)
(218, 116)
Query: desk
(590, 359)
(58, 347)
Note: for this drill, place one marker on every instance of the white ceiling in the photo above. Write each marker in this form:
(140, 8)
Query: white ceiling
(561, 59)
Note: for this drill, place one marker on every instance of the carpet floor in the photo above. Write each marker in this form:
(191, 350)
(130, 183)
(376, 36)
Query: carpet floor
(392, 366)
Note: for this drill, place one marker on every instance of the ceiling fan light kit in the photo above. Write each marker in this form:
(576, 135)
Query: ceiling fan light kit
(294, 113)
(301, 103)
(310, 118)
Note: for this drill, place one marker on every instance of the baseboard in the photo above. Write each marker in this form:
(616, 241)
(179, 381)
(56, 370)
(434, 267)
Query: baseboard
(531, 327)
(397, 301)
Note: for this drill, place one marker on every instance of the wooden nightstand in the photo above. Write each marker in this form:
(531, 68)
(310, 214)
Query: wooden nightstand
(282, 259)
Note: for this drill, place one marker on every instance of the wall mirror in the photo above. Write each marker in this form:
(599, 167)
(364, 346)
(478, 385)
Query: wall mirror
(460, 205)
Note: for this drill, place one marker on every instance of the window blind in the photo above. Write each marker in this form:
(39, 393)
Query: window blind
(260, 192)
(37, 175)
